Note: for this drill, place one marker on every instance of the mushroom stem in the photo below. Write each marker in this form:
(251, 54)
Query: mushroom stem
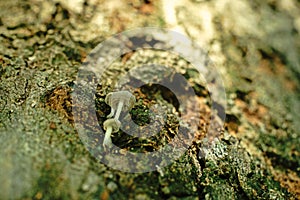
(119, 109)
(107, 140)
(111, 126)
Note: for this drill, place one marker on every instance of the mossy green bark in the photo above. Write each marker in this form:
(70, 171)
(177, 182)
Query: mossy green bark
(255, 47)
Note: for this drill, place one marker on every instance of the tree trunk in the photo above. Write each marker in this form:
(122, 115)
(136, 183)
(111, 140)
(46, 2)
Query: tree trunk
(253, 44)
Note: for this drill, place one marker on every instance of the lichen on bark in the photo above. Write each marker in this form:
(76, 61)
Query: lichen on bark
(253, 44)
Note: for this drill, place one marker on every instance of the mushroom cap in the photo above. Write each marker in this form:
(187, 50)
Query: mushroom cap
(114, 123)
(113, 98)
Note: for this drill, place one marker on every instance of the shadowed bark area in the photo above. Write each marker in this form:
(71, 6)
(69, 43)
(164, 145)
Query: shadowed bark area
(254, 45)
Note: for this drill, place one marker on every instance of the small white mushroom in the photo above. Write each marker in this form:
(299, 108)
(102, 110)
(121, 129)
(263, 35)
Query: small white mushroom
(118, 101)
(111, 126)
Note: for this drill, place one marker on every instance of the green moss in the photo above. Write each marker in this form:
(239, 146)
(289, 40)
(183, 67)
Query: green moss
(239, 175)
(140, 114)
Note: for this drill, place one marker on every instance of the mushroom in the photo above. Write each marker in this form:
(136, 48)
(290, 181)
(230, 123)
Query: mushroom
(117, 101)
(111, 126)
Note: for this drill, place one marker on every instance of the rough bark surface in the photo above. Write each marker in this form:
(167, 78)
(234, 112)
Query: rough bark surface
(254, 44)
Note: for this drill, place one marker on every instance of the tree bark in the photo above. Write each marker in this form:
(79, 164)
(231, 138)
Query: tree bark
(254, 45)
